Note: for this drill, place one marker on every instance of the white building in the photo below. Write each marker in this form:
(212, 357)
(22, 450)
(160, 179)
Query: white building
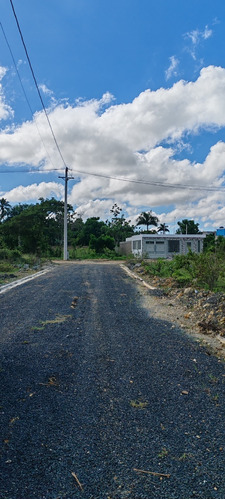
(152, 246)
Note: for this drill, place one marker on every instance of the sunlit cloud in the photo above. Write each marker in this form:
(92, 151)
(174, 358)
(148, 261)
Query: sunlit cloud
(128, 152)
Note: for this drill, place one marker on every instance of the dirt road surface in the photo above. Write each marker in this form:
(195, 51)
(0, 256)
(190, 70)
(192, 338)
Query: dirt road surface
(102, 400)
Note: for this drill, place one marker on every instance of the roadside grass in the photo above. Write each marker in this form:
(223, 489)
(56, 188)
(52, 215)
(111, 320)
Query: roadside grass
(85, 252)
(203, 271)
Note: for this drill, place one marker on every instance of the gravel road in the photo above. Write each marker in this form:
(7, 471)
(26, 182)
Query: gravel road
(94, 390)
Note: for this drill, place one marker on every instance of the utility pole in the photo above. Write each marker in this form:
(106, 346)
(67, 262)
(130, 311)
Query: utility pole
(66, 179)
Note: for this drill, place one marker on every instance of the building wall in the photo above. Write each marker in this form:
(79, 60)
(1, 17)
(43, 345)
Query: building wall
(125, 248)
(159, 246)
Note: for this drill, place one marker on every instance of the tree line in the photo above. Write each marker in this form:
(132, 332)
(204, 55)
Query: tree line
(38, 228)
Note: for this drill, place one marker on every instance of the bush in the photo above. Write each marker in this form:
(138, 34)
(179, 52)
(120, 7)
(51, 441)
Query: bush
(10, 255)
(6, 267)
(182, 276)
(101, 243)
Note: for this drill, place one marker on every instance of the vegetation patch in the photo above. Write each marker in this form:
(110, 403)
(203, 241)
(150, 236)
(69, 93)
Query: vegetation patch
(60, 318)
(136, 403)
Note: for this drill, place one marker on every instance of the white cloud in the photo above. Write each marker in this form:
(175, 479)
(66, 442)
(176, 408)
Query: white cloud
(125, 141)
(5, 110)
(45, 89)
(196, 36)
(34, 191)
(171, 71)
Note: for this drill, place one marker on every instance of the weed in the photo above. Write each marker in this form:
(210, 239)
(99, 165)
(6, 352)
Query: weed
(163, 453)
(135, 403)
(60, 318)
(213, 379)
(185, 456)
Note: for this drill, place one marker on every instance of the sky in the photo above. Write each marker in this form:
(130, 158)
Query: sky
(134, 93)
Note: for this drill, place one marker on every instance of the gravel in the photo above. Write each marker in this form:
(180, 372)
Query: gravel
(93, 387)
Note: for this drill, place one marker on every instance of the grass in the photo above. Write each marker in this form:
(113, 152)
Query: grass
(135, 403)
(83, 253)
(203, 271)
(60, 318)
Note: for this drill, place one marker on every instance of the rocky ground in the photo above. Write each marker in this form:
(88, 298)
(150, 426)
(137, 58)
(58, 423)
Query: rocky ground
(201, 313)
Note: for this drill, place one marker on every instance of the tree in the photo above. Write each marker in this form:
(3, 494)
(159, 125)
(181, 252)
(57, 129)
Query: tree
(5, 208)
(115, 210)
(36, 228)
(93, 225)
(187, 226)
(163, 228)
(209, 243)
(119, 228)
(147, 219)
(17, 209)
(102, 242)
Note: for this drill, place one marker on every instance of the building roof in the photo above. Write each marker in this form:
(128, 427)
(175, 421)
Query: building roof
(165, 236)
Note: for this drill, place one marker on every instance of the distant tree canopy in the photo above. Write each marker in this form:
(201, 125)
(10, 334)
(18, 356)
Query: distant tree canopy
(187, 226)
(5, 208)
(147, 219)
(34, 228)
(163, 228)
(38, 228)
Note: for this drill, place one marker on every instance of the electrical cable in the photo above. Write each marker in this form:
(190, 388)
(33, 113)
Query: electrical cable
(137, 181)
(152, 183)
(123, 179)
(24, 92)
(36, 85)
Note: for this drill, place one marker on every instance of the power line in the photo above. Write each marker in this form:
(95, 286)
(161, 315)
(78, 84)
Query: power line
(24, 92)
(36, 85)
(123, 179)
(30, 171)
(152, 183)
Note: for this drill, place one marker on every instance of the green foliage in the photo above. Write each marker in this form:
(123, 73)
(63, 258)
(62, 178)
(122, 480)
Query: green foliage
(100, 243)
(5, 208)
(187, 226)
(182, 276)
(6, 267)
(209, 243)
(147, 219)
(92, 226)
(205, 270)
(119, 228)
(10, 255)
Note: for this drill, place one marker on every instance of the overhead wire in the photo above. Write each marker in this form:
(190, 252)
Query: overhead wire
(153, 183)
(36, 85)
(121, 179)
(24, 92)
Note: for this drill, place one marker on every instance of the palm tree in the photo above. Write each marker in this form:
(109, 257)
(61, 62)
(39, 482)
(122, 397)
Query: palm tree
(163, 228)
(147, 219)
(4, 208)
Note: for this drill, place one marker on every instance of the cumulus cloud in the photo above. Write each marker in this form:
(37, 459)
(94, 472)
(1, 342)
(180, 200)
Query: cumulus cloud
(134, 141)
(34, 191)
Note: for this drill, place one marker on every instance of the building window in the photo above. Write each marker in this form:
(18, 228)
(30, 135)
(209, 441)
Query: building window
(173, 246)
(137, 245)
(160, 246)
(199, 246)
(188, 245)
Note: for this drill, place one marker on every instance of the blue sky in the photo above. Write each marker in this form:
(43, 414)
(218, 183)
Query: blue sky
(134, 89)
